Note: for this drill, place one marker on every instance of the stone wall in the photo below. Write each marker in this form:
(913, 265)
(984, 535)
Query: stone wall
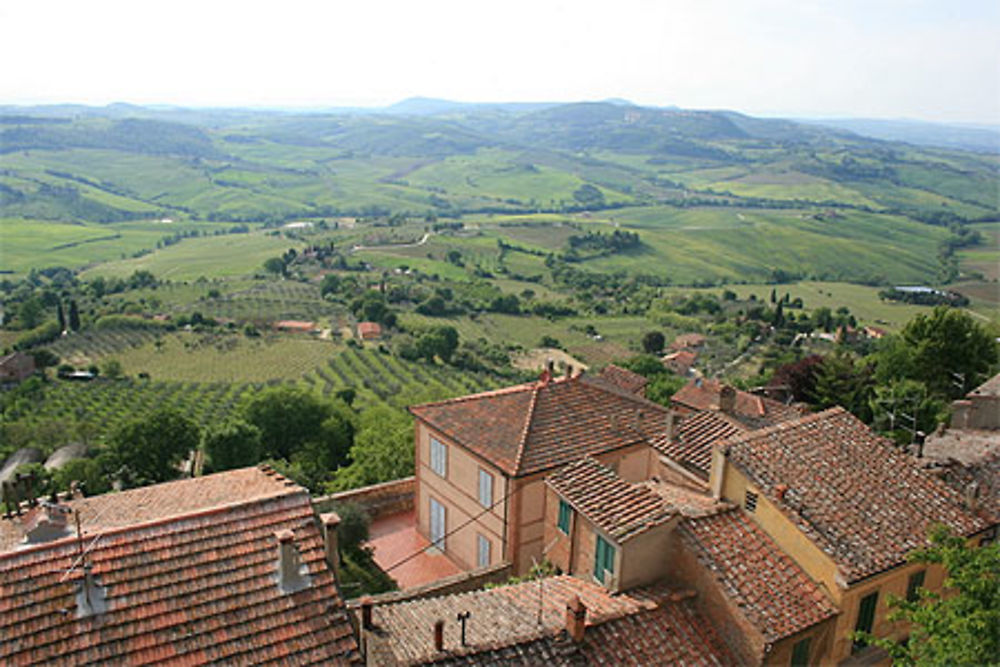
(377, 500)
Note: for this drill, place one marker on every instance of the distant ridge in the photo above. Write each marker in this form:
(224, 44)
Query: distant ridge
(980, 139)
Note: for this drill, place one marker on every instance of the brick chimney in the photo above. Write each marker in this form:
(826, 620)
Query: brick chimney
(576, 618)
(48, 523)
(330, 521)
(727, 399)
(673, 425)
(293, 575)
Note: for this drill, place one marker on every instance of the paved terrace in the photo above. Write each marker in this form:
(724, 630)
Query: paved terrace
(395, 538)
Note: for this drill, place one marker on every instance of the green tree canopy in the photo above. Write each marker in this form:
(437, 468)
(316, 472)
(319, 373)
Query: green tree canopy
(653, 342)
(232, 444)
(382, 451)
(946, 350)
(149, 449)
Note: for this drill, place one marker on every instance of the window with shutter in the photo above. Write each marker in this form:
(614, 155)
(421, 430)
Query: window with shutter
(565, 513)
(604, 559)
(485, 489)
(866, 619)
(439, 458)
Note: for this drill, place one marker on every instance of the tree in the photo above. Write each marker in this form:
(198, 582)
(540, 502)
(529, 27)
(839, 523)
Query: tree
(947, 351)
(112, 368)
(232, 444)
(961, 626)
(653, 342)
(438, 342)
(74, 316)
(287, 417)
(330, 285)
(382, 450)
(61, 316)
(30, 312)
(149, 449)
(903, 407)
(275, 265)
(842, 381)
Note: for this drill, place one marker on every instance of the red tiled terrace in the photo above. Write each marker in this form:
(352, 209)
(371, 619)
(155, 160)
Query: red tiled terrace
(395, 538)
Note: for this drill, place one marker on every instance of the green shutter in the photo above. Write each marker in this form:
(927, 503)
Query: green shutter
(604, 559)
(915, 583)
(800, 653)
(866, 618)
(565, 511)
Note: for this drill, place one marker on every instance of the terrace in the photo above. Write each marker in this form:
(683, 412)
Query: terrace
(395, 539)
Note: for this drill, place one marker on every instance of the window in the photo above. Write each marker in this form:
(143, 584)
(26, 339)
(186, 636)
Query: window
(915, 583)
(800, 653)
(485, 489)
(866, 619)
(439, 458)
(438, 524)
(604, 559)
(482, 551)
(750, 501)
(565, 512)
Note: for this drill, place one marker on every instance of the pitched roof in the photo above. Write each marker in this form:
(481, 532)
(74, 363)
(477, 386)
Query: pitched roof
(541, 425)
(501, 616)
(862, 501)
(989, 388)
(687, 340)
(980, 478)
(620, 509)
(756, 411)
(161, 501)
(624, 379)
(672, 634)
(188, 588)
(551, 650)
(694, 437)
(774, 594)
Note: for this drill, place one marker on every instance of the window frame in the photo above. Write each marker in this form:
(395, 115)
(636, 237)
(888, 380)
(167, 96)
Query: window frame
(604, 555)
(798, 649)
(485, 476)
(481, 542)
(565, 519)
(870, 614)
(439, 457)
(750, 499)
(913, 585)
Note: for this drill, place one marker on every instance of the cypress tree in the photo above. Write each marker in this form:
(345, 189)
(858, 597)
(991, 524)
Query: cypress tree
(74, 316)
(62, 317)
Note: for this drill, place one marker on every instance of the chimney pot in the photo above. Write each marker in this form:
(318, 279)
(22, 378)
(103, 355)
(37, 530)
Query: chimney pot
(569, 371)
(727, 398)
(576, 617)
(330, 522)
(439, 635)
(781, 490)
(293, 575)
(366, 613)
(673, 425)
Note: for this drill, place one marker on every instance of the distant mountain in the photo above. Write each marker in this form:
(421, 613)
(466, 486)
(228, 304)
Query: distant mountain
(980, 139)
(428, 106)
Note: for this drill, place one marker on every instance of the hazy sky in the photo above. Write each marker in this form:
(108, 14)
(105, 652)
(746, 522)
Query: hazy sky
(934, 60)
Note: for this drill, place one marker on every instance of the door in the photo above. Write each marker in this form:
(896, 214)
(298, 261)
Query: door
(437, 524)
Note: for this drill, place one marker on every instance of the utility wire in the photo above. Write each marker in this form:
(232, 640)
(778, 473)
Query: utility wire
(454, 530)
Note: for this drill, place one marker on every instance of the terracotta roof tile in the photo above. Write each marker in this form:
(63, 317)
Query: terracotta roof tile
(756, 411)
(620, 509)
(687, 340)
(541, 425)
(624, 379)
(672, 634)
(695, 436)
(774, 594)
(981, 478)
(502, 616)
(862, 501)
(190, 588)
(989, 388)
(161, 501)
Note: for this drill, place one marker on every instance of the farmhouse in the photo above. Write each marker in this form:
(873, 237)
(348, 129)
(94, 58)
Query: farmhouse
(225, 569)
(296, 326)
(16, 367)
(369, 331)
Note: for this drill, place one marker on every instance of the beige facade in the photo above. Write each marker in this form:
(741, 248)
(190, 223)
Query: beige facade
(732, 485)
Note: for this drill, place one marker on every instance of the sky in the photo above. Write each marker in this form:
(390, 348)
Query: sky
(936, 60)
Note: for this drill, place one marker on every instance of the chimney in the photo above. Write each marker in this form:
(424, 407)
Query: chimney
(727, 399)
(293, 575)
(919, 438)
(91, 597)
(439, 635)
(972, 496)
(673, 425)
(569, 371)
(366, 613)
(780, 490)
(48, 523)
(576, 617)
(330, 522)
